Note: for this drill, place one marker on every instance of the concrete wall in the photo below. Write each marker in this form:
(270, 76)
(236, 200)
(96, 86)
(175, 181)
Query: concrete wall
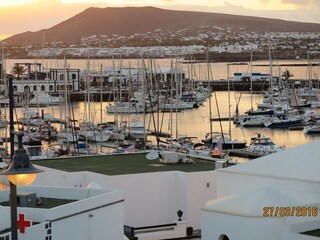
(150, 198)
(245, 183)
(236, 227)
(99, 224)
(155, 198)
(51, 177)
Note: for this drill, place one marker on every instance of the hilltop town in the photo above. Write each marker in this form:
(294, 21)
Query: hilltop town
(234, 44)
(153, 32)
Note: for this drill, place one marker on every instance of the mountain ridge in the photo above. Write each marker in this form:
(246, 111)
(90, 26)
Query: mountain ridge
(126, 21)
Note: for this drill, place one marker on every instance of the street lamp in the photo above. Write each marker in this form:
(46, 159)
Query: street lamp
(21, 172)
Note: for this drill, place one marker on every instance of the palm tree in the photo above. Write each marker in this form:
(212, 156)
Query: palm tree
(17, 70)
(286, 75)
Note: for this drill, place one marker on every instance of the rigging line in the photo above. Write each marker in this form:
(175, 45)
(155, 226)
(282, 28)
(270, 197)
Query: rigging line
(217, 105)
(148, 85)
(166, 97)
(16, 115)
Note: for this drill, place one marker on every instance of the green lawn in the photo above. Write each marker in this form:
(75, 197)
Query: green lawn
(121, 164)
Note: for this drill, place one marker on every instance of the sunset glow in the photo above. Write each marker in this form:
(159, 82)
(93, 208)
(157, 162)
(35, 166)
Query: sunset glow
(4, 3)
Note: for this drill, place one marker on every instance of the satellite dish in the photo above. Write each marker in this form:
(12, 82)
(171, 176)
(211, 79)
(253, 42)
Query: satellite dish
(153, 155)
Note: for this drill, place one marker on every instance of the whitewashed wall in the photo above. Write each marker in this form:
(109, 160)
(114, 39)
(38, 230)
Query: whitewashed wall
(237, 227)
(150, 198)
(233, 183)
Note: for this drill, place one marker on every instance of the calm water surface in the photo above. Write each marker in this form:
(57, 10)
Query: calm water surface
(189, 122)
(194, 122)
(195, 71)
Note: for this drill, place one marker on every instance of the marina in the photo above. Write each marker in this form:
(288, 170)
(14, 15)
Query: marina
(120, 121)
(178, 147)
(97, 105)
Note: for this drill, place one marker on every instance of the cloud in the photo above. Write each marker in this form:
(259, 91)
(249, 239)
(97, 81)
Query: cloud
(298, 14)
(310, 4)
(304, 3)
(4, 3)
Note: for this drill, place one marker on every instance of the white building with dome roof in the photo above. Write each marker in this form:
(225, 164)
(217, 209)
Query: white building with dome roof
(273, 197)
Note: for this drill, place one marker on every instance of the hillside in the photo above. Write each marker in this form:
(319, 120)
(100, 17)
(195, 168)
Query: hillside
(130, 20)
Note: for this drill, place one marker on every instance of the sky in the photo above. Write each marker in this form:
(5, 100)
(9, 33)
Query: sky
(18, 16)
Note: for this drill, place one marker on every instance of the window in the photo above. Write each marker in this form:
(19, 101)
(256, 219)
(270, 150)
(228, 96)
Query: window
(35, 88)
(223, 237)
(43, 87)
(26, 89)
(74, 76)
(51, 88)
(15, 88)
(61, 76)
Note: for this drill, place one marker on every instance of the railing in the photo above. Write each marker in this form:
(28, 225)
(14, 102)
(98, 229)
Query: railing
(131, 231)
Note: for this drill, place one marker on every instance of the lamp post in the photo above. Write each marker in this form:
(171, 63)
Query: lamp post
(20, 171)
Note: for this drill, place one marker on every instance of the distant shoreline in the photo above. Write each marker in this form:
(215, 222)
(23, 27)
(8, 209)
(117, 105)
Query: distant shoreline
(235, 58)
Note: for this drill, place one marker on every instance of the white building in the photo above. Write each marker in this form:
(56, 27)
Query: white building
(236, 48)
(66, 213)
(250, 76)
(152, 199)
(50, 80)
(273, 197)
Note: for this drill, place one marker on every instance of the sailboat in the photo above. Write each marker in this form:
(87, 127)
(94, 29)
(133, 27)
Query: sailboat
(45, 99)
(213, 139)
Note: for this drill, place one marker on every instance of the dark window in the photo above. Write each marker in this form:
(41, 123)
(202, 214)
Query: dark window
(223, 237)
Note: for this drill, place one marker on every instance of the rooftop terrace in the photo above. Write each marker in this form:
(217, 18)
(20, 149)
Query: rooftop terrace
(47, 202)
(121, 164)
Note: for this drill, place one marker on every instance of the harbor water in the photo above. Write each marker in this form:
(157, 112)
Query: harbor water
(194, 122)
(197, 71)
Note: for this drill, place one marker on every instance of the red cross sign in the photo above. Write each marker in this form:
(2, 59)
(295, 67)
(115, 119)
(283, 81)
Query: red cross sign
(22, 223)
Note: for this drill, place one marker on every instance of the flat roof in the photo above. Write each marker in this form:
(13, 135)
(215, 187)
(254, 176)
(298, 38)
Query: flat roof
(119, 164)
(46, 202)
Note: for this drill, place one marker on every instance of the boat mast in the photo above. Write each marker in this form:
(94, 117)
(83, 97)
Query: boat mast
(229, 112)
(270, 70)
(251, 81)
(66, 101)
(101, 107)
(210, 111)
(178, 96)
(4, 77)
(171, 100)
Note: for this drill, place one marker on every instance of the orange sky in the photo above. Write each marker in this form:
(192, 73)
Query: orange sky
(31, 15)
